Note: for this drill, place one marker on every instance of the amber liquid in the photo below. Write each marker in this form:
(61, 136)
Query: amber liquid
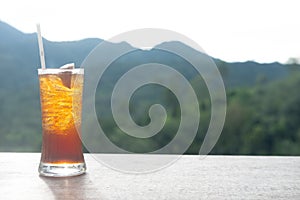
(61, 99)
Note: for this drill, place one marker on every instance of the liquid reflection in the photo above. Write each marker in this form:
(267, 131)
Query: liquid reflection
(78, 187)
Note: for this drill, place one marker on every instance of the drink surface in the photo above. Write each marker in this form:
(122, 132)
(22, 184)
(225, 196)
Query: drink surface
(61, 98)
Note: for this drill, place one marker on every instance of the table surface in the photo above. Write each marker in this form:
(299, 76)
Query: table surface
(215, 177)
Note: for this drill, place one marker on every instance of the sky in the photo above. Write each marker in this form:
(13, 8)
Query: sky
(232, 30)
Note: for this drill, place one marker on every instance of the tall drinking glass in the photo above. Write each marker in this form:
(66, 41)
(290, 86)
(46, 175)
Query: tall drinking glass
(61, 103)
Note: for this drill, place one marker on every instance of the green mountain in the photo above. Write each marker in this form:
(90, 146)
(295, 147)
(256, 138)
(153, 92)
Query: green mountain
(20, 124)
(20, 59)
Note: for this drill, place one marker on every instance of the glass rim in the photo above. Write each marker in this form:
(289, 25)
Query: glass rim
(58, 70)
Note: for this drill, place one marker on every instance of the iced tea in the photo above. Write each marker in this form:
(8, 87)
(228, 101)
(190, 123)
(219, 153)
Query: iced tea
(61, 102)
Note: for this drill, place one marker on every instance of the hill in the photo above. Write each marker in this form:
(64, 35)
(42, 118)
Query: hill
(20, 125)
(19, 59)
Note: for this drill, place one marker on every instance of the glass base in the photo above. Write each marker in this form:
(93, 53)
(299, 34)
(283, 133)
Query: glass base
(61, 170)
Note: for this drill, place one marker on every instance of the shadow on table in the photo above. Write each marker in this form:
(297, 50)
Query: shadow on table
(78, 187)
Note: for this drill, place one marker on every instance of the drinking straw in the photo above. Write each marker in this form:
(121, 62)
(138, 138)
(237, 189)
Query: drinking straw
(40, 41)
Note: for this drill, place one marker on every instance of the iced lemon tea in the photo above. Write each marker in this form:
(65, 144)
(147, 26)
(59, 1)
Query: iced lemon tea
(61, 102)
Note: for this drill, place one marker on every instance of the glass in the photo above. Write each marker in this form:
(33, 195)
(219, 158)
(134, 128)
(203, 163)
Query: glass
(61, 104)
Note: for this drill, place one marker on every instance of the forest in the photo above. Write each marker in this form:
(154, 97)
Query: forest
(263, 102)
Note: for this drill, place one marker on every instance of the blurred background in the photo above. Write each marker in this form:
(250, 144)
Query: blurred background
(261, 73)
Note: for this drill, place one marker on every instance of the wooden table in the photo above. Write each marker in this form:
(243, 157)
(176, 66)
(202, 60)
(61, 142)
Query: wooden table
(215, 177)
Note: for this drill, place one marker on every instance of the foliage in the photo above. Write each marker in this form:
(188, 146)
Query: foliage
(263, 120)
(263, 102)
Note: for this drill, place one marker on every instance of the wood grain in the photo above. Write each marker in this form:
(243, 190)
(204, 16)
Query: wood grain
(215, 177)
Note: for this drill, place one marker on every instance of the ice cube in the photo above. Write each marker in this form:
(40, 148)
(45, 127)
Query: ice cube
(68, 66)
(66, 75)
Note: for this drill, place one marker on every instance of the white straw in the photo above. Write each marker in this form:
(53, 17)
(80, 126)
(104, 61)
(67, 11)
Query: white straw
(40, 41)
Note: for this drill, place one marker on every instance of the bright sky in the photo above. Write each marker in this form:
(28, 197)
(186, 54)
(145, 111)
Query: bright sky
(232, 30)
